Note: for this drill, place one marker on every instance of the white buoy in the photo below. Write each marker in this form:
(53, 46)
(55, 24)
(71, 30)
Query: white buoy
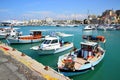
(92, 67)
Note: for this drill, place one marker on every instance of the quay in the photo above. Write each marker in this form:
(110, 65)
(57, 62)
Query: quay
(15, 65)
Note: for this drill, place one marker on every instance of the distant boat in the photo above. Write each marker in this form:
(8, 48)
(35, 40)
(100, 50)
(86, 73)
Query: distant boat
(36, 36)
(101, 27)
(94, 38)
(89, 27)
(53, 44)
(81, 60)
(117, 27)
(61, 25)
(106, 27)
(5, 32)
(72, 25)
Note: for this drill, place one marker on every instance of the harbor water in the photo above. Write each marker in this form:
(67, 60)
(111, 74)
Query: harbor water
(107, 69)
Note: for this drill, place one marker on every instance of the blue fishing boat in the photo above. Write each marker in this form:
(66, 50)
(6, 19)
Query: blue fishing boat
(81, 60)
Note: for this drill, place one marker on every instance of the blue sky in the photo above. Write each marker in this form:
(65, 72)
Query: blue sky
(60, 9)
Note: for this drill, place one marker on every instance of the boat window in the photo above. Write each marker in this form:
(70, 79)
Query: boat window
(86, 47)
(47, 41)
(54, 41)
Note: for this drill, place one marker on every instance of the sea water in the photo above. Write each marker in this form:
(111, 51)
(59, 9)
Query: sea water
(107, 69)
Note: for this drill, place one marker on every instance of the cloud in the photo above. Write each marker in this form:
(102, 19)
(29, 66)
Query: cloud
(44, 14)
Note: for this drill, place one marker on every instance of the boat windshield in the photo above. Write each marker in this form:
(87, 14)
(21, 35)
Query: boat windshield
(54, 41)
(87, 47)
(47, 41)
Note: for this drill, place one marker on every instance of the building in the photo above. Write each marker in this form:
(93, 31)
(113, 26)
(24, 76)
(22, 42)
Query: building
(118, 16)
(49, 20)
(109, 17)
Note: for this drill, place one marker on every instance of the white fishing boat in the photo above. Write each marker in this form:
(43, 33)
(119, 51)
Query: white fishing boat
(101, 27)
(5, 32)
(36, 36)
(53, 44)
(81, 60)
(89, 27)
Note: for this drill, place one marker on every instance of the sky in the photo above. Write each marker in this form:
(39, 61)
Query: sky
(56, 9)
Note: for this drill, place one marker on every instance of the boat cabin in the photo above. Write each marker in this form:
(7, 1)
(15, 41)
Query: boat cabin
(88, 49)
(52, 42)
(36, 33)
(94, 38)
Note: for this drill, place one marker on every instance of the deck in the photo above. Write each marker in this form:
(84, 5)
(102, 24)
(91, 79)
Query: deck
(81, 61)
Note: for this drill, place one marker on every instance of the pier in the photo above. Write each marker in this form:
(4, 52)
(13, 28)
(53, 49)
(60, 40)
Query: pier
(15, 65)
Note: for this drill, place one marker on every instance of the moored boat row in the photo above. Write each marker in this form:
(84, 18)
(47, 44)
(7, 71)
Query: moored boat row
(102, 27)
(76, 61)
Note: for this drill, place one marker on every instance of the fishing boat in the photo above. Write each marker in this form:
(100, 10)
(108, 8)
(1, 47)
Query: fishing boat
(5, 32)
(35, 36)
(82, 60)
(53, 44)
(94, 38)
(89, 27)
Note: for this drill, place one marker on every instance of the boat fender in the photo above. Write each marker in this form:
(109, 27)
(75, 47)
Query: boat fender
(58, 70)
(18, 39)
(92, 67)
(39, 47)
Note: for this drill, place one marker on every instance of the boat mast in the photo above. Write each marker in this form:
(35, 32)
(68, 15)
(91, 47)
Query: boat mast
(88, 17)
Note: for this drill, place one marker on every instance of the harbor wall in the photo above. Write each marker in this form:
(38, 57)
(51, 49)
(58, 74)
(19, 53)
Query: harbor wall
(30, 68)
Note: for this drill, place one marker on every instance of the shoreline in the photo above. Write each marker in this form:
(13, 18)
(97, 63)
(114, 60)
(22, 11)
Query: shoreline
(30, 68)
